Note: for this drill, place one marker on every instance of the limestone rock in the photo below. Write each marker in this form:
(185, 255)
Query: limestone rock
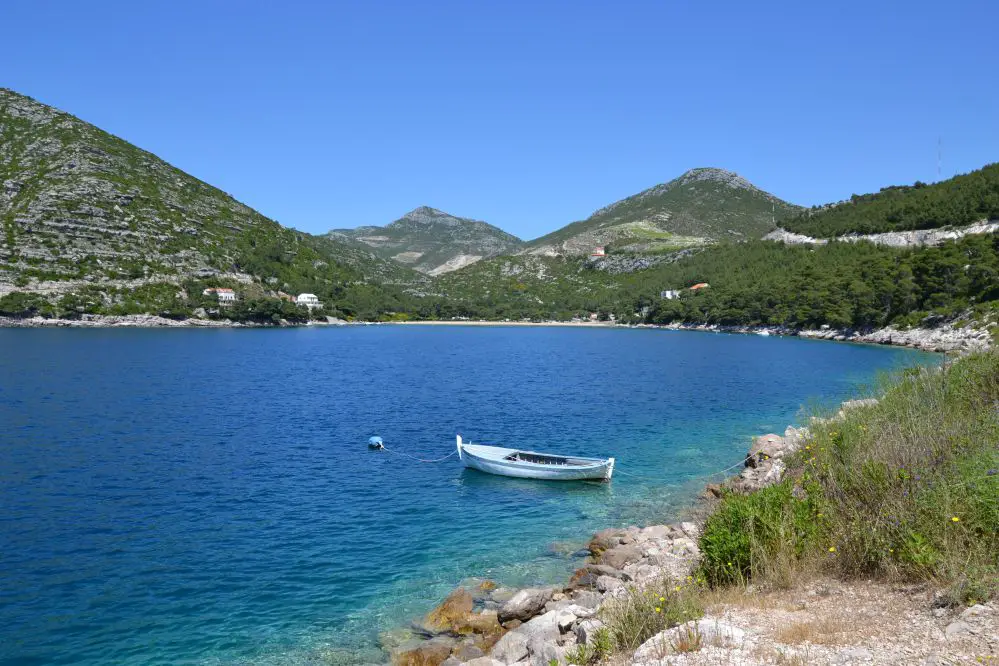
(587, 598)
(586, 629)
(692, 530)
(608, 584)
(852, 655)
(607, 539)
(451, 613)
(977, 611)
(426, 653)
(712, 632)
(620, 556)
(957, 628)
(586, 577)
(564, 620)
(511, 648)
(485, 661)
(525, 604)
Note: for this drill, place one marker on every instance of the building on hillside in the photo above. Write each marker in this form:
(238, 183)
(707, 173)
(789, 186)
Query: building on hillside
(310, 301)
(669, 294)
(599, 252)
(225, 296)
(286, 297)
(700, 285)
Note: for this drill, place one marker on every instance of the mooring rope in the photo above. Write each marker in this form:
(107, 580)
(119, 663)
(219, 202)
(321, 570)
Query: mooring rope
(692, 478)
(435, 460)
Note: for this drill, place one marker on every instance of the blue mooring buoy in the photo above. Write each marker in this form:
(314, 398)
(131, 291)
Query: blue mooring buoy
(375, 443)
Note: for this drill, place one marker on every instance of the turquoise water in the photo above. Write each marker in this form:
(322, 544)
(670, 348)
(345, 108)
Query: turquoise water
(207, 497)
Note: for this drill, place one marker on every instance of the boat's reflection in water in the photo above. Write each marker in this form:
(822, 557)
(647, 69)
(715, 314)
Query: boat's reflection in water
(535, 488)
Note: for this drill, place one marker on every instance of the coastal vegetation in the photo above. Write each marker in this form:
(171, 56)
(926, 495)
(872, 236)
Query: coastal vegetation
(961, 200)
(95, 225)
(901, 490)
(757, 283)
(905, 489)
(841, 285)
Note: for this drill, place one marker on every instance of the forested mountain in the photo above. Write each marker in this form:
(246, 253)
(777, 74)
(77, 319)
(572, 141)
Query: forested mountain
(432, 241)
(81, 208)
(961, 200)
(92, 224)
(701, 205)
(755, 283)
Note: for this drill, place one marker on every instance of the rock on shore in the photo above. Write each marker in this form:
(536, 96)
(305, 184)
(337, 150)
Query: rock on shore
(946, 338)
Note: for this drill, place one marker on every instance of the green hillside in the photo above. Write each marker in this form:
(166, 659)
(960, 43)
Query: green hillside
(701, 205)
(523, 286)
(961, 200)
(844, 285)
(432, 241)
(81, 208)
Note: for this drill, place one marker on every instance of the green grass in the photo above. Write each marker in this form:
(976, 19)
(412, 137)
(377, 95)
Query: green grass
(762, 534)
(905, 490)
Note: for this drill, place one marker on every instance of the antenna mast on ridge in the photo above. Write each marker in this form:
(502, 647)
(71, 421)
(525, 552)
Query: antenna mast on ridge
(939, 156)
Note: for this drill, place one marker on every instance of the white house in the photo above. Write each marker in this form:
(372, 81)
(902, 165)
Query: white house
(599, 251)
(669, 294)
(310, 301)
(225, 296)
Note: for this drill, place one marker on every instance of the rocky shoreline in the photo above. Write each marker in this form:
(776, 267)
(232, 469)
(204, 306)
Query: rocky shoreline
(147, 321)
(494, 626)
(483, 624)
(945, 338)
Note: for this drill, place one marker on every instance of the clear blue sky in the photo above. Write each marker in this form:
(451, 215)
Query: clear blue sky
(528, 115)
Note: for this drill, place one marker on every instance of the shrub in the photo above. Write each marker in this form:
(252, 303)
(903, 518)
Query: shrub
(759, 534)
(643, 613)
(22, 304)
(601, 647)
(906, 489)
(912, 484)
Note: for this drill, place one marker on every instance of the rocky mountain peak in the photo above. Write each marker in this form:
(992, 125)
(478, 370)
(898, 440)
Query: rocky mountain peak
(713, 174)
(428, 215)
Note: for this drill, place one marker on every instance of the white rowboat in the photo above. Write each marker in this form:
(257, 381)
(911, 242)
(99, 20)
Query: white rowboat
(533, 465)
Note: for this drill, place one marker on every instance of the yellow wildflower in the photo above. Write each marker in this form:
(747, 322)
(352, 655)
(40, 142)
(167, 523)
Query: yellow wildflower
(955, 519)
(832, 549)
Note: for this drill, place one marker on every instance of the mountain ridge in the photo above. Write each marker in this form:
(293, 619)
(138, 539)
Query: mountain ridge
(80, 204)
(702, 205)
(433, 241)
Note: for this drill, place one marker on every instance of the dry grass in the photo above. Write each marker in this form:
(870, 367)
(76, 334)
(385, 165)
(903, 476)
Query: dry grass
(821, 631)
(740, 596)
(643, 613)
(779, 657)
(688, 639)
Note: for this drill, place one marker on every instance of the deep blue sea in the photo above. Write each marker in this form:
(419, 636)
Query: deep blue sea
(207, 496)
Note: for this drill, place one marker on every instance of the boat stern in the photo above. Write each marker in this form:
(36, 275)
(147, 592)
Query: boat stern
(610, 469)
(459, 448)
